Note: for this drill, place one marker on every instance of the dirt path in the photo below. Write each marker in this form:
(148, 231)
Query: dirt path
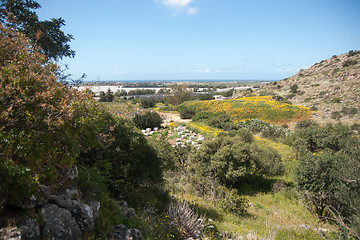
(172, 117)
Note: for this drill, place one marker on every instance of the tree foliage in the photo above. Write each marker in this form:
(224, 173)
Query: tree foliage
(21, 15)
(329, 172)
(179, 93)
(233, 157)
(46, 127)
(149, 119)
(106, 97)
(43, 124)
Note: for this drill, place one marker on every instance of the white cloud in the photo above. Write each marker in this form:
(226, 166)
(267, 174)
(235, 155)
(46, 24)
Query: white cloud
(202, 70)
(117, 72)
(178, 6)
(192, 10)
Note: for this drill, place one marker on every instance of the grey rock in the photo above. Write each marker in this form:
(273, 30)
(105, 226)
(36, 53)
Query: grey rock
(59, 224)
(126, 211)
(120, 232)
(30, 230)
(84, 214)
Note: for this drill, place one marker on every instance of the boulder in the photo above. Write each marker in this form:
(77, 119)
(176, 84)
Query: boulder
(59, 224)
(84, 214)
(30, 230)
(120, 232)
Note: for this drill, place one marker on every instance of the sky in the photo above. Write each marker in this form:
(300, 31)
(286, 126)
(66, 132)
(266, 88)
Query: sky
(203, 39)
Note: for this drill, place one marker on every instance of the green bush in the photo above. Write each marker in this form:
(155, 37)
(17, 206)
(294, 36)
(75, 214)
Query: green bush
(270, 161)
(186, 113)
(349, 63)
(349, 111)
(328, 173)
(147, 120)
(294, 88)
(147, 103)
(230, 157)
(128, 162)
(44, 124)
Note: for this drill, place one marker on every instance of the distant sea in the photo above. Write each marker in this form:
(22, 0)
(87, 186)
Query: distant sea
(179, 80)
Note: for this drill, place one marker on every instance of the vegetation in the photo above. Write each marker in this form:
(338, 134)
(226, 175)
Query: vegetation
(329, 173)
(20, 14)
(179, 93)
(239, 184)
(149, 119)
(263, 108)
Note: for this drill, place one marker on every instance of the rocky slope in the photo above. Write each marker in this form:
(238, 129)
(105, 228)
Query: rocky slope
(331, 88)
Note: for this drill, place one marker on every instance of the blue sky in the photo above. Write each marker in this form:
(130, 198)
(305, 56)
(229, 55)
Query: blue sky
(203, 39)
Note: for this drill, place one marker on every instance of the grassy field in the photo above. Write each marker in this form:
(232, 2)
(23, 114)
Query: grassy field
(263, 108)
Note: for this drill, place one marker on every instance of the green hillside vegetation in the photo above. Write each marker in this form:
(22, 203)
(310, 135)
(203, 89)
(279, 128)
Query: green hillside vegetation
(330, 88)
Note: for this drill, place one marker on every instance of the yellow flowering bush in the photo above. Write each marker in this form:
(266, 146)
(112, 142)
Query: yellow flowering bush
(260, 107)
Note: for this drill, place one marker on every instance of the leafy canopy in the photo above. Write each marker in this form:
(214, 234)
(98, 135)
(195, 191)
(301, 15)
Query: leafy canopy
(21, 15)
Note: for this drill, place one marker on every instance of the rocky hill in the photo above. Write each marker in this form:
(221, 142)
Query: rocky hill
(330, 88)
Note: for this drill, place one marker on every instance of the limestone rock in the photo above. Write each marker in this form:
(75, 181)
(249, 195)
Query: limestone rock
(120, 232)
(59, 224)
(84, 214)
(30, 230)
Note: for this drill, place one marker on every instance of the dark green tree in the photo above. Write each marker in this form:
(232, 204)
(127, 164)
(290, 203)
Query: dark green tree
(179, 93)
(106, 97)
(147, 120)
(329, 173)
(21, 15)
(147, 102)
(233, 157)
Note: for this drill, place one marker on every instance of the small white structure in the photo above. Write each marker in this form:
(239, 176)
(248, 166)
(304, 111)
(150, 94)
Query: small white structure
(192, 138)
(219, 97)
(188, 141)
(148, 129)
(156, 129)
(178, 139)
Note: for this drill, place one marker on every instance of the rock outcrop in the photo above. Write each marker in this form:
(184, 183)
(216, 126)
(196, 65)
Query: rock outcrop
(60, 216)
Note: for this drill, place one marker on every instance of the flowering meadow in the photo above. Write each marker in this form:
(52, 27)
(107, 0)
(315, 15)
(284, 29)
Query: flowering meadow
(260, 107)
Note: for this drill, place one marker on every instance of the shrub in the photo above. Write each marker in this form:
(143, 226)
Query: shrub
(186, 113)
(349, 63)
(349, 111)
(231, 158)
(147, 120)
(327, 173)
(185, 218)
(147, 103)
(313, 108)
(294, 88)
(129, 163)
(336, 115)
(106, 97)
(229, 200)
(336, 100)
(44, 124)
(270, 161)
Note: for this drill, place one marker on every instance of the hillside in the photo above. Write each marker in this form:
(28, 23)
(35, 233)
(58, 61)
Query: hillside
(330, 88)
